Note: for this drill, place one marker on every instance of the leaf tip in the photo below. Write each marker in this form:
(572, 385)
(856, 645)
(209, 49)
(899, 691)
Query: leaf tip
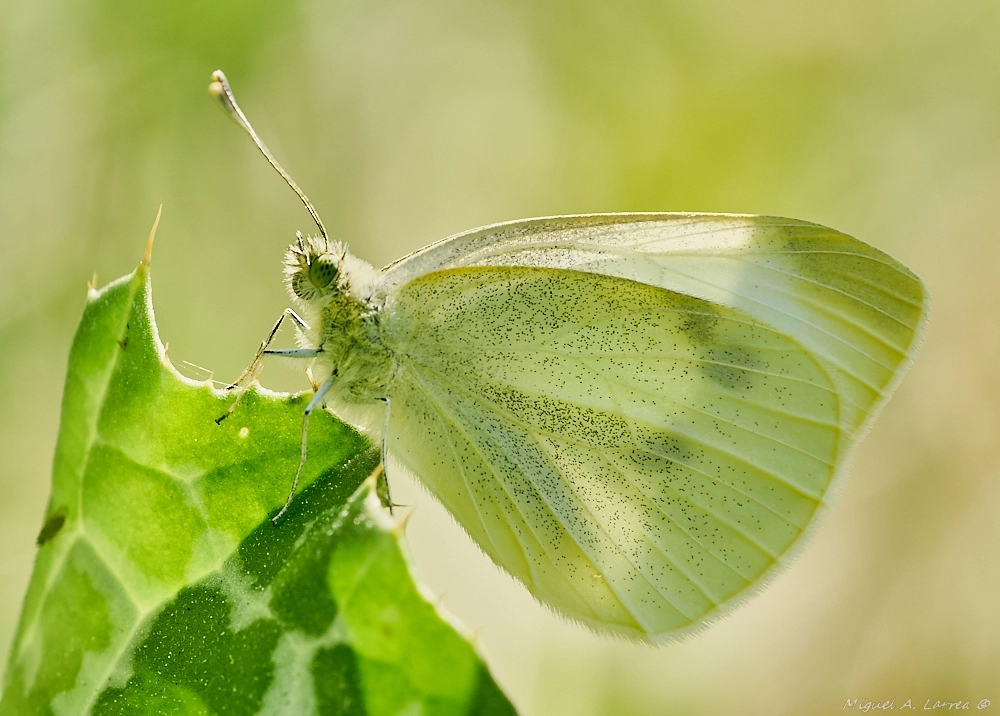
(152, 234)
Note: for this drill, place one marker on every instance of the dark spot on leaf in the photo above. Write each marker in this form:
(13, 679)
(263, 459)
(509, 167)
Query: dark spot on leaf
(52, 526)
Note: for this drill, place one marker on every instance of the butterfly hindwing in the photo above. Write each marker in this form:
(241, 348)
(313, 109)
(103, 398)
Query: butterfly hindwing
(636, 456)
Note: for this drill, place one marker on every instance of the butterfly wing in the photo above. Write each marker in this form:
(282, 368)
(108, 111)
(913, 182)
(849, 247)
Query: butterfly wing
(638, 457)
(856, 310)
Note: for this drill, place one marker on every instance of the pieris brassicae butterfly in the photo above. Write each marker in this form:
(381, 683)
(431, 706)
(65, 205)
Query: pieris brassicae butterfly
(636, 415)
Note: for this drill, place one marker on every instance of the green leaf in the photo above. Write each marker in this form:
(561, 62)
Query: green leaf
(161, 586)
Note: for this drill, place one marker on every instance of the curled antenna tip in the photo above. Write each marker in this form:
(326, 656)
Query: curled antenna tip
(218, 85)
(152, 235)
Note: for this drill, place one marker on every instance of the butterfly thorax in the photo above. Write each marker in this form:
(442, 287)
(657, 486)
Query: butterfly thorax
(334, 290)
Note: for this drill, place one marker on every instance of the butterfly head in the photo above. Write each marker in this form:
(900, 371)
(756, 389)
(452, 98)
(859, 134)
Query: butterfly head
(313, 268)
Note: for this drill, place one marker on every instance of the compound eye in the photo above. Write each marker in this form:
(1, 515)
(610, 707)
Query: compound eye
(323, 270)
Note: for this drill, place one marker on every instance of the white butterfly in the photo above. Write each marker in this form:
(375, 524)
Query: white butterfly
(637, 415)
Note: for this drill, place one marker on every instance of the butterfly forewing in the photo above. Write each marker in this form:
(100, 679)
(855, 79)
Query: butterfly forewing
(637, 456)
(855, 309)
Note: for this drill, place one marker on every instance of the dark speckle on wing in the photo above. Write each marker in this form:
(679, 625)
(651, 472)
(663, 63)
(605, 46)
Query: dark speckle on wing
(584, 425)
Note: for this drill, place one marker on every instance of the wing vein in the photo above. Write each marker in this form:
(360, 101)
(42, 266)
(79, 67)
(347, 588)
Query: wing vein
(594, 518)
(648, 539)
(819, 309)
(708, 550)
(431, 395)
(736, 458)
(827, 355)
(715, 416)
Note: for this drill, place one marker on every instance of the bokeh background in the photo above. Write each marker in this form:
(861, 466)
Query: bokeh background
(407, 122)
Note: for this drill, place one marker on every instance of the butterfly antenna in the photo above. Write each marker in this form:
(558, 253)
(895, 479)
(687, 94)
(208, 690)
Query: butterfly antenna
(220, 88)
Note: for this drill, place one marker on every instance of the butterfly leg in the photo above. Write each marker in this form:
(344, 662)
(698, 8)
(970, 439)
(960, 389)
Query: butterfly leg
(385, 455)
(316, 400)
(248, 376)
(254, 367)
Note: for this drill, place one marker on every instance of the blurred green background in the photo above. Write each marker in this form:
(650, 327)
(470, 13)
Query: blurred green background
(406, 122)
